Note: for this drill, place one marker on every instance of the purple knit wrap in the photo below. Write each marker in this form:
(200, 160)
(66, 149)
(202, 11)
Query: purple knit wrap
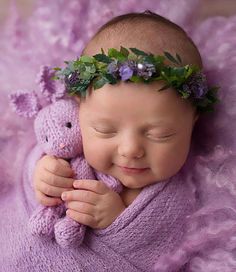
(151, 226)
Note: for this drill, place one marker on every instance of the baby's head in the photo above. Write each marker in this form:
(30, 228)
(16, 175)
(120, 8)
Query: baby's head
(130, 130)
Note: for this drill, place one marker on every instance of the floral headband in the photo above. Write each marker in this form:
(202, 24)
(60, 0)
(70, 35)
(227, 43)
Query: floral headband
(134, 65)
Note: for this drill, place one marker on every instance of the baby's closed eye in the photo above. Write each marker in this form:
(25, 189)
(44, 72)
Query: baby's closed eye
(156, 134)
(104, 130)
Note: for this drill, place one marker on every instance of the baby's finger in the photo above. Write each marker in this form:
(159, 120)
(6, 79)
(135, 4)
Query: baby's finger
(82, 218)
(91, 185)
(81, 195)
(50, 190)
(81, 207)
(55, 180)
(46, 200)
(56, 166)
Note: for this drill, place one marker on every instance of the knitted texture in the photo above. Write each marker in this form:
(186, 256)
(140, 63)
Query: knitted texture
(58, 134)
(51, 37)
(67, 231)
(151, 226)
(57, 129)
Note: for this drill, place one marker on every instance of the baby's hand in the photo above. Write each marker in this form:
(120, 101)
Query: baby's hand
(93, 204)
(52, 176)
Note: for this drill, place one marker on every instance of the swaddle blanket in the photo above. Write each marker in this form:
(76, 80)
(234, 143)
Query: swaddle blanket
(152, 225)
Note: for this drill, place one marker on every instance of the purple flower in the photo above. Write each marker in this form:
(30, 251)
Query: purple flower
(48, 87)
(72, 79)
(196, 86)
(145, 70)
(125, 71)
(113, 68)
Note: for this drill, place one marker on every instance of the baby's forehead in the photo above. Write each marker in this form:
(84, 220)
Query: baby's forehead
(147, 36)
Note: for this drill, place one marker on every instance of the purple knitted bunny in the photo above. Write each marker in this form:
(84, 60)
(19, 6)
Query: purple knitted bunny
(58, 133)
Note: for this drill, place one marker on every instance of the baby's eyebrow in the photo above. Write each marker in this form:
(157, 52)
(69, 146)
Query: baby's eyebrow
(159, 123)
(101, 120)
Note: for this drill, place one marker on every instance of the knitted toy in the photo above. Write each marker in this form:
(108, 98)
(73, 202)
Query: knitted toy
(58, 133)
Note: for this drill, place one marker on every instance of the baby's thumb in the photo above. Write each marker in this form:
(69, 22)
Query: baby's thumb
(63, 162)
(67, 170)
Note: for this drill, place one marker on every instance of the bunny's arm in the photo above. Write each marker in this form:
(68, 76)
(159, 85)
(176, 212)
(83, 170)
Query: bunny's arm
(67, 231)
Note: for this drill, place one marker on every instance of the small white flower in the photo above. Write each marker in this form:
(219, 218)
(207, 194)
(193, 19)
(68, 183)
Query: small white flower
(140, 66)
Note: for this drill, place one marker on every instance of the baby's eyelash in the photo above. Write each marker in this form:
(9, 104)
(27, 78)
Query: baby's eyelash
(160, 137)
(104, 131)
(166, 136)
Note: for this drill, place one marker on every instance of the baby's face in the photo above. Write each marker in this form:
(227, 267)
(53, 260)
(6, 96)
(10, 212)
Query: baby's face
(136, 134)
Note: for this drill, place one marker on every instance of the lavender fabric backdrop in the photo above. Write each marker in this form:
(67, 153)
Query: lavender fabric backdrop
(57, 31)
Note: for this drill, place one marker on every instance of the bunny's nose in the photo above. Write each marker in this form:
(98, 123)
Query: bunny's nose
(62, 145)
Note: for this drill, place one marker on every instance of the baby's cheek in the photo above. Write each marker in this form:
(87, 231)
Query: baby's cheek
(97, 156)
(170, 160)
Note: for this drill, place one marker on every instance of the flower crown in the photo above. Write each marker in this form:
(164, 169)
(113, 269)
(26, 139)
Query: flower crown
(137, 66)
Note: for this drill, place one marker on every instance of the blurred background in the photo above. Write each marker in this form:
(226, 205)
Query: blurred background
(208, 8)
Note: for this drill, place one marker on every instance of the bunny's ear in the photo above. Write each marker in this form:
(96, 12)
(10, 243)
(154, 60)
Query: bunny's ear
(51, 89)
(25, 104)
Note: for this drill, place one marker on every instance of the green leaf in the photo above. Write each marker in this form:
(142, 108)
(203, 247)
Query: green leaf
(124, 51)
(55, 78)
(81, 67)
(170, 57)
(110, 78)
(66, 72)
(80, 88)
(99, 82)
(136, 79)
(150, 59)
(77, 64)
(87, 59)
(138, 52)
(73, 66)
(102, 58)
(184, 95)
(91, 69)
(159, 59)
(57, 68)
(189, 71)
(178, 58)
(85, 75)
(113, 53)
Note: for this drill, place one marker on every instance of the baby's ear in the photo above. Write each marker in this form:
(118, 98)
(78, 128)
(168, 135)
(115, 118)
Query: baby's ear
(25, 104)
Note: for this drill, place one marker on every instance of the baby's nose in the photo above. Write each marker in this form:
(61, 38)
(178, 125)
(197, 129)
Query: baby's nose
(131, 147)
(61, 145)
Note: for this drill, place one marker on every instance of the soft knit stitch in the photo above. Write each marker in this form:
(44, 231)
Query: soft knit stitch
(58, 133)
(151, 226)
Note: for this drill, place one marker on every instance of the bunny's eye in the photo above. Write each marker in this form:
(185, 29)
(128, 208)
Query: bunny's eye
(68, 124)
(46, 139)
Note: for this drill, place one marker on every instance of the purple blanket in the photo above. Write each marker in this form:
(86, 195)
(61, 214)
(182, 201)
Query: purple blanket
(48, 37)
(151, 226)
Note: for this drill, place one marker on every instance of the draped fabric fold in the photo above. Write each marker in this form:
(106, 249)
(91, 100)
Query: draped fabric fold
(151, 226)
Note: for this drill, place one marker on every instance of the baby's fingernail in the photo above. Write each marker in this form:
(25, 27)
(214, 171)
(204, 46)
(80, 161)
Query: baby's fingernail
(63, 196)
